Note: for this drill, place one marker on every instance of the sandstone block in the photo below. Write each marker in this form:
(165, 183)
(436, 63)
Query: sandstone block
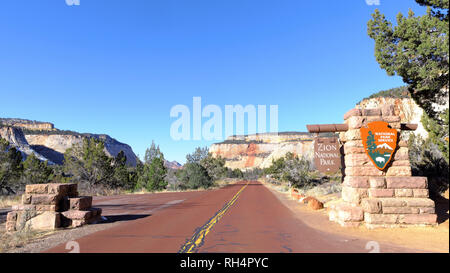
(348, 213)
(412, 182)
(419, 202)
(377, 182)
(404, 192)
(401, 154)
(374, 193)
(53, 208)
(78, 223)
(77, 214)
(354, 150)
(45, 199)
(11, 216)
(356, 181)
(427, 219)
(380, 218)
(391, 119)
(46, 221)
(352, 134)
(387, 110)
(396, 163)
(374, 118)
(371, 206)
(356, 122)
(399, 171)
(393, 202)
(371, 112)
(353, 195)
(36, 189)
(357, 160)
(23, 207)
(10, 226)
(353, 143)
(428, 210)
(363, 171)
(80, 203)
(26, 199)
(423, 193)
(351, 113)
(400, 210)
(63, 189)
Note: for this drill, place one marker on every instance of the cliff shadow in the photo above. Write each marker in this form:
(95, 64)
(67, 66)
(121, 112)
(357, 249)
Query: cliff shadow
(50, 154)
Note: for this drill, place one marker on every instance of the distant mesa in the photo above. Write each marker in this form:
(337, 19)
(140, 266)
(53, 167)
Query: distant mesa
(49, 143)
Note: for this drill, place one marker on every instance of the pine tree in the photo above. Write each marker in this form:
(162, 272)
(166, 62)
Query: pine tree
(36, 171)
(88, 162)
(10, 167)
(417, 49)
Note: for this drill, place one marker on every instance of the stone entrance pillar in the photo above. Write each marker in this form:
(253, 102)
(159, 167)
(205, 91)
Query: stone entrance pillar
(388, 198)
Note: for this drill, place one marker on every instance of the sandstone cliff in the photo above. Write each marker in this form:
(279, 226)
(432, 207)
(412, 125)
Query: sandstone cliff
(258, 151)
(17, 139)
(51, 144)
(28, 124)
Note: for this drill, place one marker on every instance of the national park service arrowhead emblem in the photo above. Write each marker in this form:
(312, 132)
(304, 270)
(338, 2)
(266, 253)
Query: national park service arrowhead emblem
(379, 142)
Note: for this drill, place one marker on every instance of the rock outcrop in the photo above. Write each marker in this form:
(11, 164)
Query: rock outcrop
(17, 139)
(258, 151)
(28, 124)
(50, 144)
(406, 108)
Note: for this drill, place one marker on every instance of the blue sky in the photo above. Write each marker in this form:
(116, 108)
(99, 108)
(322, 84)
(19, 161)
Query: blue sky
(118, 67)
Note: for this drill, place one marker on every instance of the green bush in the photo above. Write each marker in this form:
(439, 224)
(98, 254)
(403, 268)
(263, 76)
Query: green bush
(427, 160)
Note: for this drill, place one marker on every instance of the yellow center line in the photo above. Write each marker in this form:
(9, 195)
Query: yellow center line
(197, 240)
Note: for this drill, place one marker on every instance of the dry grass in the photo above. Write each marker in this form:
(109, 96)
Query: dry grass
(15, 240)
(9, 201)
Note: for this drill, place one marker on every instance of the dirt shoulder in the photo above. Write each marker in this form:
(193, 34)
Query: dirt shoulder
(428, 239)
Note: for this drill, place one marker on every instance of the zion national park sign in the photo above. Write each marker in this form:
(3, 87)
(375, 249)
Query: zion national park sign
(379, 142)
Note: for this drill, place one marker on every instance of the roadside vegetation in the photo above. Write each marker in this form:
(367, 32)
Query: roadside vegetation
(292, 171)
(98, 174)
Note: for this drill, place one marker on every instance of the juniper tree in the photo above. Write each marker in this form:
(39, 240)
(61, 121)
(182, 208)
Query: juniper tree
(417, 49)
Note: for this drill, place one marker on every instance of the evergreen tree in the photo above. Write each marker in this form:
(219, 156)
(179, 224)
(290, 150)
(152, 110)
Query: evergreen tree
(36, 171)
(215, 166)
(198, 155)
(438, 134)
(153, 172)
(10, 167)
(123, 178)
(417, 49)
(88, 162)
(195, 176)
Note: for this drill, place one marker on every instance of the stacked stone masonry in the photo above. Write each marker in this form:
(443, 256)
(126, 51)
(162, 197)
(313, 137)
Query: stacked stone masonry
(375, 198)
(52, 206)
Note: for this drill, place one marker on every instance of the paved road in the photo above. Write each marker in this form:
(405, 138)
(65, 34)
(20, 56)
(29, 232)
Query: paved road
(243, 217)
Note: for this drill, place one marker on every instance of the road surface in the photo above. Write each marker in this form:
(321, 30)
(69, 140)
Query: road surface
(239, 218)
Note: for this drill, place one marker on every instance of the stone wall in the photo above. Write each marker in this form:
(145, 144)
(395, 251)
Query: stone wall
(52, 206)
(380, 198)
